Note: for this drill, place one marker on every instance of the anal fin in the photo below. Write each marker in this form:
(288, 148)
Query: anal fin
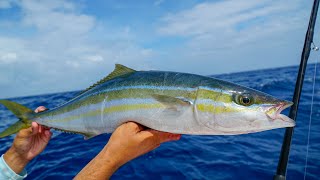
(88, 136)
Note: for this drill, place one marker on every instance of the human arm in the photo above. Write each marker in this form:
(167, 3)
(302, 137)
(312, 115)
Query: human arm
(27, 144)
(128, 141)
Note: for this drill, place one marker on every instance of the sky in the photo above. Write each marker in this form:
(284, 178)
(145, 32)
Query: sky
(63, 45)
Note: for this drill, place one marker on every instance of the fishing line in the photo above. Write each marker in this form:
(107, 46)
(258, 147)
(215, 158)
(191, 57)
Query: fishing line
(310, 120)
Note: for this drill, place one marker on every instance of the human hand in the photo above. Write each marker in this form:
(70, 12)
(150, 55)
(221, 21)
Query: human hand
(27, 144)
(127, 142)
(131, 140)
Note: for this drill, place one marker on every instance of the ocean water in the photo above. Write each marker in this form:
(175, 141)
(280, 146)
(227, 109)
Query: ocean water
(249, 156)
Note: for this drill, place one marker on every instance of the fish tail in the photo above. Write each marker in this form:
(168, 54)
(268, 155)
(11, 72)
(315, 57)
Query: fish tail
(21, 112)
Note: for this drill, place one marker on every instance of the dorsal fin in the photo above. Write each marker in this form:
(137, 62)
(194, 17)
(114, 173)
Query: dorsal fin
(119, 70)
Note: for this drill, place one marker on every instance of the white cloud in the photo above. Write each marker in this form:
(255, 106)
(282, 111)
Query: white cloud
(55, 19)
(61, 47)
(227, 16)
(236, 35)
(60, 43)
(94, 58)
(158, 2)
(73, 64)
(9, 57)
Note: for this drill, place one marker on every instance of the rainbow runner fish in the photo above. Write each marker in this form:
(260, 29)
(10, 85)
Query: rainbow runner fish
(166, 101)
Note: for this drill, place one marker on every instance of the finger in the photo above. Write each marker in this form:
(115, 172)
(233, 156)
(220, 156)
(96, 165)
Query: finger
(29, 131)
(40, 109)
(35, 128)
(46, 128)
(148, 139)
(47, 134)
(135, 126)
(25, 132)
(164, 136)
(43, 128)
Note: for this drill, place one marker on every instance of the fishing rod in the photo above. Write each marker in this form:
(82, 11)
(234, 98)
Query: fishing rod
(284, 156)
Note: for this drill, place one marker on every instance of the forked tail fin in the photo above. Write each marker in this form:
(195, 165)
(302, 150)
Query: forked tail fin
(22, 114)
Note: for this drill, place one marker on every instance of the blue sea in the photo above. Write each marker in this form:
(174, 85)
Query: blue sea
(249, 156)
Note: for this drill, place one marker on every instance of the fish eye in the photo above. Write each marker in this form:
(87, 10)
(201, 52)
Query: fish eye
(244, 99)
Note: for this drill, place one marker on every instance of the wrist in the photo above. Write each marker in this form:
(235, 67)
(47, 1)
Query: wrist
(110, 159)
(101, 167)
(15, 161)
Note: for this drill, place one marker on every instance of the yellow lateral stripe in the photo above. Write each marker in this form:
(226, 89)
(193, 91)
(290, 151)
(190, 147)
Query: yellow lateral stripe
(112, 109)
(130, 107)
(214, 95)
(146, 93)
(123, 94)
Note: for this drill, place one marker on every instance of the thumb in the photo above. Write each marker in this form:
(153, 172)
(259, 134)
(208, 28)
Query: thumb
(40, 109)
(35, 128)
(23, 133)
(164, 136)
(29, 131)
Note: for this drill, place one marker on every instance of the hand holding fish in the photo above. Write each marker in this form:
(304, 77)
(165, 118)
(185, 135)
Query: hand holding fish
(27, 144)
(128, 141)
(131, 140)
(180, 103)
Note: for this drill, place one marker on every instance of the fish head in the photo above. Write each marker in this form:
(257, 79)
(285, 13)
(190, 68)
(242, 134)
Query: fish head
(234, 109)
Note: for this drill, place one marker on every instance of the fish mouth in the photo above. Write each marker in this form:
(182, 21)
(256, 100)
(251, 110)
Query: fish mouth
(274, 112)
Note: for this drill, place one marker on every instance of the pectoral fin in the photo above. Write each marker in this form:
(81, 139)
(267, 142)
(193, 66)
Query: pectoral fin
(174, 106)
(171, 101)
